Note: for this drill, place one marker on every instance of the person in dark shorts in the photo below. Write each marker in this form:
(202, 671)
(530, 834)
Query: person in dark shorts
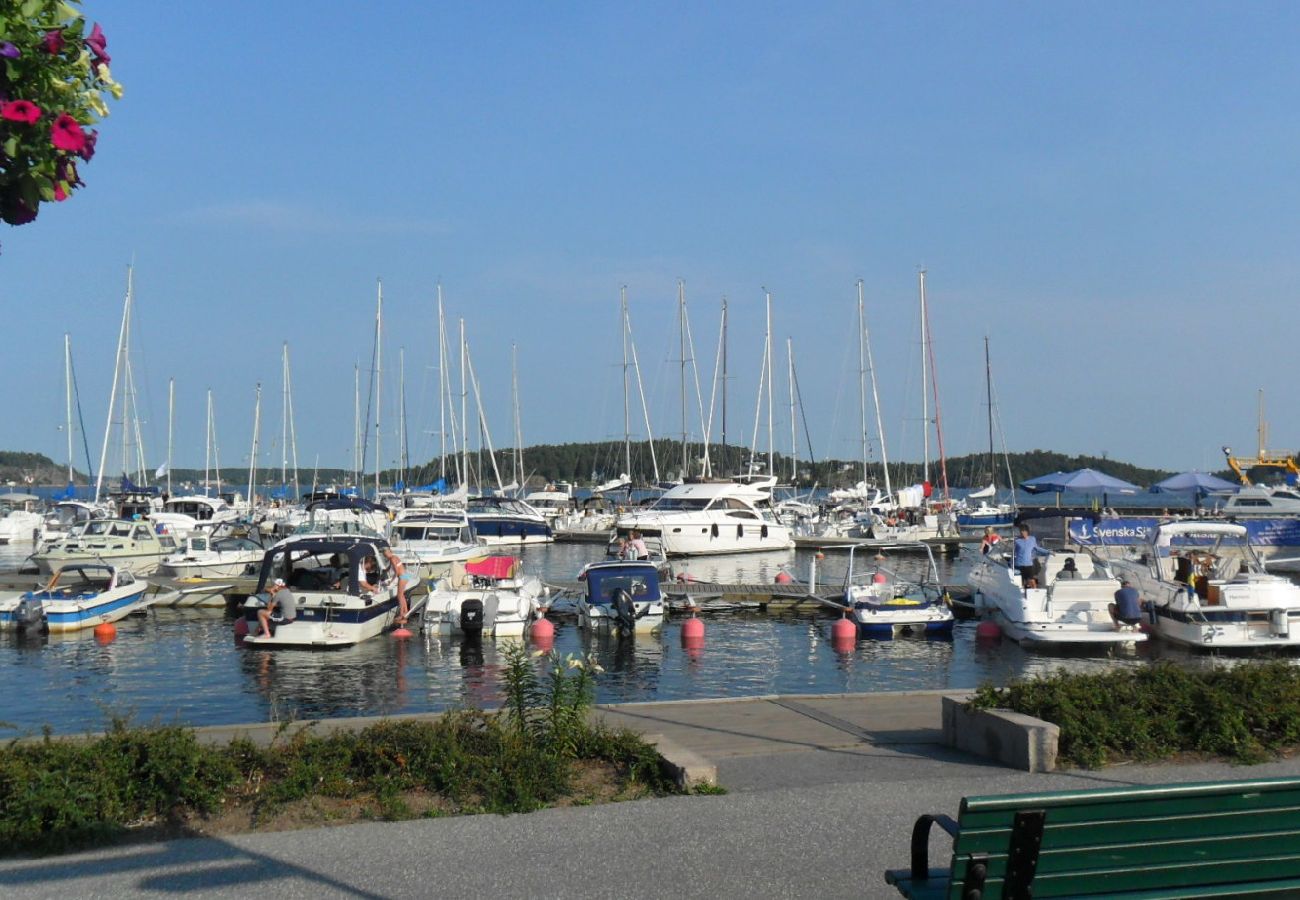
(281, 607)
(1127, 608)
(1025, 553)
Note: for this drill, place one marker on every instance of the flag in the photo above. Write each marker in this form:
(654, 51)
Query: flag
(160, 471)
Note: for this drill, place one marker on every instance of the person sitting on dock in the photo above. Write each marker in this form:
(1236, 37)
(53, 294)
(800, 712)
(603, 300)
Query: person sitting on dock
(990, 540)
(1025, 550)
(281, 607)
(1126, 611)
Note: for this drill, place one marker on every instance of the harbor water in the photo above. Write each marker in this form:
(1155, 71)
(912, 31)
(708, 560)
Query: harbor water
(184, 666)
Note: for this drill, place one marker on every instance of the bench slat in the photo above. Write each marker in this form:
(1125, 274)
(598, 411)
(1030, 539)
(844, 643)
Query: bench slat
(1111, 808)
(1124, 794)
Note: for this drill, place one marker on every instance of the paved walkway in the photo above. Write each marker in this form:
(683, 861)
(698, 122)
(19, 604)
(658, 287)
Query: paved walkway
(822, 795)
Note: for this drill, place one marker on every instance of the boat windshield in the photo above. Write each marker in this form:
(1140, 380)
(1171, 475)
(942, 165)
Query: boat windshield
(681, 504)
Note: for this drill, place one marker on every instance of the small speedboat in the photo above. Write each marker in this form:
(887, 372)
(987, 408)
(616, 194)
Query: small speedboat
(324, 575)
(885, 603)
(212, 555)
(78, 596)
(485, 597)
(622, 596)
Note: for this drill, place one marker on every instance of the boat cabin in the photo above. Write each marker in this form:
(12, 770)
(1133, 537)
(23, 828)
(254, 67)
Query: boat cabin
(319, 564)
(639, 580)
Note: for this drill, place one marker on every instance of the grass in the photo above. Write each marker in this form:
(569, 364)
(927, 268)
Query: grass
(543, 750)
(1246, 713)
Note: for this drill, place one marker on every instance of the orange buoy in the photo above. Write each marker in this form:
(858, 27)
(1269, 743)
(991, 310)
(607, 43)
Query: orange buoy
(988, 631)
(878, 578)
(693, 633)
(105, 632)
(784, 577)
(844, 628)
(542, 634)
(401, 631)
(820, 556)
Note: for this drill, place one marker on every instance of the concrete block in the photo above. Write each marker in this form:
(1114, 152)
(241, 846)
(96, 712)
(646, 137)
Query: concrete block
(686, 767)
(1010, 738)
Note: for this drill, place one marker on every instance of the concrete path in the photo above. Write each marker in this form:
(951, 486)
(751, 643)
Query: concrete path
(822, 795)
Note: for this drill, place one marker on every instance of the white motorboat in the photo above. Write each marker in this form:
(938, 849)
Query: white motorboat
(621, 596)
(20, 523)
(886, 603)
(324, 575)
(129, 544)
(504, 520)
(1259, 501)
(594, 521)
(702, 517)
(181, 516)
(483, 597)
(1206, 587)
(66, 515)
(216, 554)
(1071, 605)
(432, 538)
(553, 501)
(78, 596)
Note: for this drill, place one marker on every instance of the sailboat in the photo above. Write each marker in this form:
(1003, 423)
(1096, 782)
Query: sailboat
(987, 514)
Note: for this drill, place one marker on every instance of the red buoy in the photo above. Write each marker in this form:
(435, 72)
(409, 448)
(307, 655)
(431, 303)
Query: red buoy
(878, 578)
(843, 629)
(542, 633)
(693, 633)
(401, 631)
(988, 631)
(105, 632)
(784, 577)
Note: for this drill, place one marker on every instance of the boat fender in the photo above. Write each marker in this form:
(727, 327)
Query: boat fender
(713, 529)
(740, 532)
(763, 531)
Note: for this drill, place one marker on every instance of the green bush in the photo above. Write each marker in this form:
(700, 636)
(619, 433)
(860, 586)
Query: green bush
(1244, 713)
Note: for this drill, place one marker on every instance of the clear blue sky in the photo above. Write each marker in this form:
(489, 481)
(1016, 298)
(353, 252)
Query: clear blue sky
(1107, 190)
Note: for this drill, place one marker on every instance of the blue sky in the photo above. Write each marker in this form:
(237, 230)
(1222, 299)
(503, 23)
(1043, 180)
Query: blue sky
(1105, 190)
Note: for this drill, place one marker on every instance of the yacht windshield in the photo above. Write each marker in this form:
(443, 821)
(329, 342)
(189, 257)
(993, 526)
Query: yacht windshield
(681, 503)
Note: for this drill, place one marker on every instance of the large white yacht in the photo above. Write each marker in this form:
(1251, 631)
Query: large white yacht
(701, 517)
(432, 538)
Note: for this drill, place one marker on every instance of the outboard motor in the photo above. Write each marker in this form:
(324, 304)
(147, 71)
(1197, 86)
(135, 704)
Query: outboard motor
(471, 618)
(29, 616)
(624, 610)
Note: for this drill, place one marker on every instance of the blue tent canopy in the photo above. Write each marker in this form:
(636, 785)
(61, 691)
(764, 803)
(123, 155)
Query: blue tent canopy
(1193, 482)
(1080, 481)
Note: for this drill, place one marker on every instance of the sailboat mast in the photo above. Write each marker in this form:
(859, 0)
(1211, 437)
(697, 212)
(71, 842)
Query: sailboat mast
(925, 386)
(681, 338)
(988, 400)
(171, 416)
(794, 439)
(207, 446)
(771, 443)
(442, 395)
(862, 378)
(464, 409)
(403, 456)
(358, 464)
(379, 383)
(252, 460)
(875, 400)
(67, 380)
(284, 414)
(724, 384)
(112, 394)
(518, 464)
(627, 425)
(293, 428)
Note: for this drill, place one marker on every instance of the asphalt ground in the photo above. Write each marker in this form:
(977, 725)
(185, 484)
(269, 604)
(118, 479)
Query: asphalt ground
(822, 794)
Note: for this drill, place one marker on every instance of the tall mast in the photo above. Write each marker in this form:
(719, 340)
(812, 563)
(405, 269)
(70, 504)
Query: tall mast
(875, 398)
(925, 385)
(171, 414)
(112, 394)
(379, 382)
(293, 428)
(464, 409)
(67, 380)
(518, 463)
(216, 443)
(442, 396)
(640, 389)
(284, 414)
(358, 464)
(207, 446)
(1262, 429)
(862, 378)
(771, 443)
(938, 414)
(252, 460)
(627, 427)
(724, 384)
(681, 338)
(988, 399)
(794, 440)
(403, 457)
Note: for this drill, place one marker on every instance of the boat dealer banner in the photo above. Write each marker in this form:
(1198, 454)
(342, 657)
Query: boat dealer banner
(1122, 530)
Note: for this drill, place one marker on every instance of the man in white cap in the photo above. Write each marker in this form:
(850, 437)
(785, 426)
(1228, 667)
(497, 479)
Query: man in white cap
(281, 607)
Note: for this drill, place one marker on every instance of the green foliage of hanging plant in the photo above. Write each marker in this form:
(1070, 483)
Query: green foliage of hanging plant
(54, 85)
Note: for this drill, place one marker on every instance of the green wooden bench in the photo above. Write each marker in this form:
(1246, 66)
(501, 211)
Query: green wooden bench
(1212, 839)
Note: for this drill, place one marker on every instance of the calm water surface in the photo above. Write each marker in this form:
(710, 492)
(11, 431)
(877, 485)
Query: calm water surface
(184, 666)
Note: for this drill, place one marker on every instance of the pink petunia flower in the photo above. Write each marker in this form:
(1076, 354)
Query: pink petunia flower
(53, 41)
(66, 134)
(20, 111)
(98, 45)
(88, 150)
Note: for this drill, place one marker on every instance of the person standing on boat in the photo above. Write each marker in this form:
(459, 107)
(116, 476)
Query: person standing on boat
(404, 580)
(281, 607)
(1127, 608)
(991, 538)
(636, 547)
(1026, 550)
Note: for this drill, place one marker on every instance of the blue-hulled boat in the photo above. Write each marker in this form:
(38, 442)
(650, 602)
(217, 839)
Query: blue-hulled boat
(885, 603)
(78, 596)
